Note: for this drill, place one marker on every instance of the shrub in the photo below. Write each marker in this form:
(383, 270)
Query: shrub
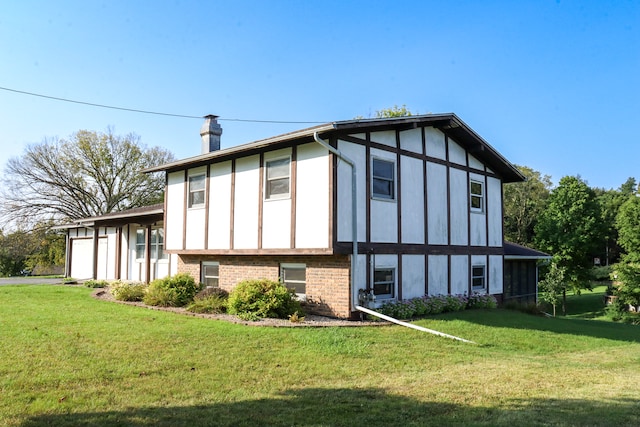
(128, 291)
(262, 298)
(455, 302)
(206, 292)
(482, 301)
(209, 300)
(602, 274)
(69, 281)
(96, 283)
(175, 291)
(426, 305)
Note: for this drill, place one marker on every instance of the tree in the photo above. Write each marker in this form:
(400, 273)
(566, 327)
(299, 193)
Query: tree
(628, 226)
(89, 174)
(553, 287)
(38, 249)
(610, 203)
(523, 203)
(570, 229)
(394, 111)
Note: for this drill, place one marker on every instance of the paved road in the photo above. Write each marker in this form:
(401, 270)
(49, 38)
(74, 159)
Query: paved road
(28, 281)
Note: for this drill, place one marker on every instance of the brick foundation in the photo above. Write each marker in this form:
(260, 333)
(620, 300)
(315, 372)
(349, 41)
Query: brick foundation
(328, 277)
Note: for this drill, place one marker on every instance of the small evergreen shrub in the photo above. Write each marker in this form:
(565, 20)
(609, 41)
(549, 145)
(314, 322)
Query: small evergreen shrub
(206, 292)
(96, 283)
(262, 298)
(174, 291)
(127, 291)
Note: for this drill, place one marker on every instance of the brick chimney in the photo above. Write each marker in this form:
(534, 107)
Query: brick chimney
(210, 133)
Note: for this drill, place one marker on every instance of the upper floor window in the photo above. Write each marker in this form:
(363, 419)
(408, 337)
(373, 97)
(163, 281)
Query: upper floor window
(277, 179)
(294, 276)
(383, 179)
(478, 277)
(211, 273)
(476, 190)
(196, 190)
(384, 283)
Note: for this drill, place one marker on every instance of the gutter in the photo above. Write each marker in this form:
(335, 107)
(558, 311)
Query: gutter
(354, 208)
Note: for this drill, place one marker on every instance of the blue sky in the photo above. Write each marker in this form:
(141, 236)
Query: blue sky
(552, 85)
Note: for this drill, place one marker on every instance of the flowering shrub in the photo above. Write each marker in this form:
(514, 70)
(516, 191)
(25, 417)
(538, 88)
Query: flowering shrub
(436, 304)
(127, 291)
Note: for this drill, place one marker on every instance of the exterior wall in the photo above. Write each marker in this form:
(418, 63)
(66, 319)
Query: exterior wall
(174, 210)
(327, 286)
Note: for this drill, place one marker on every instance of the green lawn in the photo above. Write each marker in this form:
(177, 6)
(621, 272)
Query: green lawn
(68, 360)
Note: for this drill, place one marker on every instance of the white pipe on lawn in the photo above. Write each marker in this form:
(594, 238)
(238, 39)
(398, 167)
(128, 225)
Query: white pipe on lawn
(410, 325)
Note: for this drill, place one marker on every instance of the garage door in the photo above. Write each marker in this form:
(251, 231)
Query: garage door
(82, 258)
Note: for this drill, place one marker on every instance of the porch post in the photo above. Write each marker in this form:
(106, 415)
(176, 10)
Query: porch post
(147, 254)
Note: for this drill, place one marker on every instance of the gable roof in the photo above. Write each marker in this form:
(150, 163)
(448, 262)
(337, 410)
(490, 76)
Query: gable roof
(144, 214)
(448, 123)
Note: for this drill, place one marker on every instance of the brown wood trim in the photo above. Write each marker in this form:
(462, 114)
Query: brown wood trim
(207, 187)
(164, 218)
(488, 274)
(118, 262)
(370, 268)
(501, 213)
(446, 150)
(398, 189)
(367, 180)
(284, 251)
(426, 274)
(67, 264)
(399, 276)
(147, 253)
(333, 196)
(184, 209)
(344, 248)
(261, 184)
(233, 202)
(486, 209)
(293, 182)
(469, 285)
(96, 234)
(449, 274)
(468, 190)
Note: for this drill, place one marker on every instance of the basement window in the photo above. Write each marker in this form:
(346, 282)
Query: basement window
(478, 278)
(294, 277)
(384, 283)
(210, 274)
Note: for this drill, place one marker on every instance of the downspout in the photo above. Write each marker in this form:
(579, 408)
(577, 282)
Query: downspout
(354, 209)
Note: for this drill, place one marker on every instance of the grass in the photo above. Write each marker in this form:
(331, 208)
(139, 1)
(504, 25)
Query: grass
(69, 360)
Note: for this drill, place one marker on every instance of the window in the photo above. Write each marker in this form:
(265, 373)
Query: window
(384, 283)
(294, 276)
(277, 179)
(476, 190)
(477, 277)
(140, 243)
(211, 274)
(196, 191)
(383, 179)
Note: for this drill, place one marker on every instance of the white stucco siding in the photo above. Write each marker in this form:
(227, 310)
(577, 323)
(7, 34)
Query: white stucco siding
(246, 199)
(312, 197)
(81, 258)
(360, 278)
(219, 205)
(494, 210)
(475, 163)
(478, 219)
(357, 154)
(384, 212)
(457, 154)
(435, 145)
(438, 266)
(387, 137)
(411, 140)
(276, 213)
(412, 196)
(496, 274)
(460, 274)
(437, 222)
(459, 199)
(196, 218)
(175, 210)
(413, 276)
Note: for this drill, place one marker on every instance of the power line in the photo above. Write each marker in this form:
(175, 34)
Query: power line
(133, 110)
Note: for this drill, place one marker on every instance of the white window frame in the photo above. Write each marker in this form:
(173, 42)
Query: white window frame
(478, 276)
(392, 283)
(480, 197)
(141, 247)
(268, 179)
(203, 271)
(191, 191)
(156, 246)
(295, 266)
(392, 180)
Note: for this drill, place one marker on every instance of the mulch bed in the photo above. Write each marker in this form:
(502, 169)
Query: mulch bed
(310, 320)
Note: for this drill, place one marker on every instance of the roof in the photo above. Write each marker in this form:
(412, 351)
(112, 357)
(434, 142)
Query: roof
(151, 213)
(448, 123)
(516, 251)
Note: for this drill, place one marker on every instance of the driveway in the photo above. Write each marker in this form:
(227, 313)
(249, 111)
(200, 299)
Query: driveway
(28, 280)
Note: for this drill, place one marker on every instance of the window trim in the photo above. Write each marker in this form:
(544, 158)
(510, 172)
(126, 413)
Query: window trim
(380, 196)
(393, 283)
(267, 180)
(153, 246)
(143, 243)
(190, 203)
(204, 277)
(480, 196)
(297, 266)
(477, 276)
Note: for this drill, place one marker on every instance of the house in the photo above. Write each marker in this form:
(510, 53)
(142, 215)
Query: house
(398, 207)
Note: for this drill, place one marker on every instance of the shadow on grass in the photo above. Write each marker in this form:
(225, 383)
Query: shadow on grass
(503, 318)
(357, 407)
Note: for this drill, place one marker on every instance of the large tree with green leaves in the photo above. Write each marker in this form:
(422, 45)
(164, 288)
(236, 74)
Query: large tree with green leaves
(570, 229)
(628, 227)
(91, 173)
(523, 204)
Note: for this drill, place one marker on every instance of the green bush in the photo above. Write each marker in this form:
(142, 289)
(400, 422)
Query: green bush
(127, 291)
(262, 298)
(175, 291)
(602, 274)
(209, 300)
(96, 283)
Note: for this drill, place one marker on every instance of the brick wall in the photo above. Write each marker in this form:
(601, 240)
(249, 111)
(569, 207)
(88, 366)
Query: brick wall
(328, 276)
